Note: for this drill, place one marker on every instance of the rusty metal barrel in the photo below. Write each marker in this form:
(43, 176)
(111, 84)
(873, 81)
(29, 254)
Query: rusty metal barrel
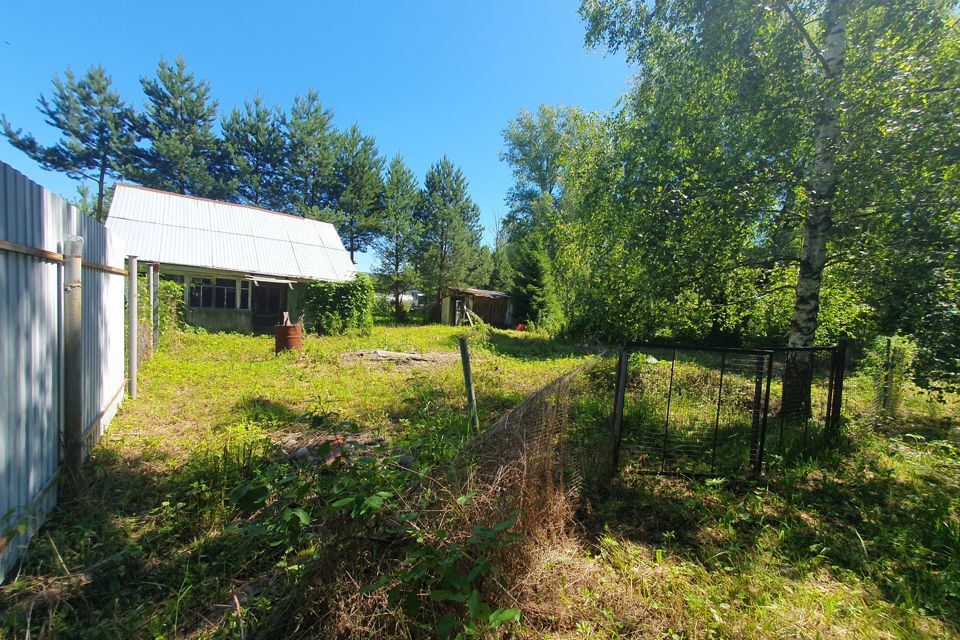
(287, 337)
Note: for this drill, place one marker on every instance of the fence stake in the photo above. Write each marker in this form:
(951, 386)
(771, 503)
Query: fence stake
(755, 428)
(151, 293)
(468, 382)
(666, 423)
(133, 325)
(839, 370)
(73, 355)
(716, 422)
(766, 412)
(618, 402)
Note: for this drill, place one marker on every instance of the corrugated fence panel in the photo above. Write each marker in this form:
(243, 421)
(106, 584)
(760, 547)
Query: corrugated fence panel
(103, 318)
(31, 350)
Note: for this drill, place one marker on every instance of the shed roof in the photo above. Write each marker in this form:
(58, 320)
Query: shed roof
(480, 293)
(158, 226)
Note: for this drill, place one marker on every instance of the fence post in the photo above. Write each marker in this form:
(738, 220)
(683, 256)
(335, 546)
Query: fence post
(468, 382)
(618, 402)
(151, 293)
(134, 327)
(839, 370)
(755, 456)
(155, 305)
(761, 449)
(73, 355)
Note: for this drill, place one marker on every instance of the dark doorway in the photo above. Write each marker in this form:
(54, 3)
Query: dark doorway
(268, 304)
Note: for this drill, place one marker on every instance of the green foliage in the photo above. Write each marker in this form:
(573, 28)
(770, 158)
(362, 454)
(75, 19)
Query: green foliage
(449, 251)
(96, 129)
(183, 154)
(170, 306)
(401, 230)
(355, 191)
(256, 148)
(337, 307)
(311, 150)
(889, 364)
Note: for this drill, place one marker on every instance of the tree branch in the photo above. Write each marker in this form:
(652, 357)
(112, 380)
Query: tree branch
(806, 36)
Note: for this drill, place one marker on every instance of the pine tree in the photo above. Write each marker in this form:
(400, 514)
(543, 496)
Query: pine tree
(356, 190)
(96, 129)
(311, 152)
(255, 143)
(395, 247)
(451, 228)
(183, 153)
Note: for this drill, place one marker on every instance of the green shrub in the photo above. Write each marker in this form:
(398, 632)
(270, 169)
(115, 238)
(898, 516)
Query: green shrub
(336, 307)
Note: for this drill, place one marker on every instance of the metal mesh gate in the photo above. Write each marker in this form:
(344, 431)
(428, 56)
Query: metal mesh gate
(709, 410)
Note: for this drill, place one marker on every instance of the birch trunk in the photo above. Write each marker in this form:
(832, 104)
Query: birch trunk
(798, 375)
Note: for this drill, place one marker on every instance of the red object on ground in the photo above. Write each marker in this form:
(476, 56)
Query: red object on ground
(288, 337)
(521, 326)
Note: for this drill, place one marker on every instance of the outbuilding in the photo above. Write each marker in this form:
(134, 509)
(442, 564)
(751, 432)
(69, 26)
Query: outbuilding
(493, 307)
(241, 267)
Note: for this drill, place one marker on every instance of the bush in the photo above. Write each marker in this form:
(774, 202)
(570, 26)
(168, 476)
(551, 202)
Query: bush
(336, 307)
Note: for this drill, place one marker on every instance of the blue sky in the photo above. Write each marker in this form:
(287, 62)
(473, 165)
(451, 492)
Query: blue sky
(425, 78)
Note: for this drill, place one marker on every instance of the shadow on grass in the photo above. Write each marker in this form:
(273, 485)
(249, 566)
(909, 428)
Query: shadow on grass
(844, 511)
(140, 553)
(533, 348)
(258, 409)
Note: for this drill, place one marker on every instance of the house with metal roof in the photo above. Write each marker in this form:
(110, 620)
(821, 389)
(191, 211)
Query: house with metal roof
(241, 266)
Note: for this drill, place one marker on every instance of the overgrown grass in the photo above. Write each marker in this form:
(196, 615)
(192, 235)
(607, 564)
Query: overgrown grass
(861, 541)
(196, 521)
(200, 520)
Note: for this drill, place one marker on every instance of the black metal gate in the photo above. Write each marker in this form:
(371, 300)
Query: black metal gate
(698, 410)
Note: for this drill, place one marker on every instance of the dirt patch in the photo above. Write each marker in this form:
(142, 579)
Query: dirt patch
(403, 359)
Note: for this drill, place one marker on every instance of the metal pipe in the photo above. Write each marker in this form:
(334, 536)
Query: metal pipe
(716, 422)
(666, 423)
(73, 355)
(133, 326)
(150, 295)
(618, 403)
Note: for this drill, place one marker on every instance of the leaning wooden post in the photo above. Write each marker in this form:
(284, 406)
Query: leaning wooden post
(73, 355)
(133, 327)
(468, 382)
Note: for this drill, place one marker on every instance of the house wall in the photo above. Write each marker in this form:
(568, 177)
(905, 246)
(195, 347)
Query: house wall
(238, 318)
(230, 320)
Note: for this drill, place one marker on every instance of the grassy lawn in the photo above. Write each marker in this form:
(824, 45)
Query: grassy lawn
(199, 519)
(214, 409)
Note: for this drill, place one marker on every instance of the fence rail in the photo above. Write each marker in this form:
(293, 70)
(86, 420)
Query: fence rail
(34, 225)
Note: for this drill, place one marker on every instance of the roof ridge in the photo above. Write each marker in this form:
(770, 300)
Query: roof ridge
(223, 202)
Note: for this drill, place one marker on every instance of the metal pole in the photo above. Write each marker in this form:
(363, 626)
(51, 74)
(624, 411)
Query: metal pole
(755, 428)
(468, 382)
(155, 305)
(618, 402)
(73, 355)
(766, 412)
(839, 373)
(132, 323)
(150, 295)
(666, 423)
(716, 422)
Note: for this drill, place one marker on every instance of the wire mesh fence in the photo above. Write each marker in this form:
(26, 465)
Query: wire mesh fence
(664, 409)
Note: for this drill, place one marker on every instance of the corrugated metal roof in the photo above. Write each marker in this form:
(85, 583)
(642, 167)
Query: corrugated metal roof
(170, 228)
(480, 293)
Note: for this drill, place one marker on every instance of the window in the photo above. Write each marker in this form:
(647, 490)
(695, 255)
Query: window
(201, 292)
(207, 293)
(225, 294)
(245, 294)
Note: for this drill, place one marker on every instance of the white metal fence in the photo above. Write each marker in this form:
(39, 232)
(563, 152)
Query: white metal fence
(34, 224)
